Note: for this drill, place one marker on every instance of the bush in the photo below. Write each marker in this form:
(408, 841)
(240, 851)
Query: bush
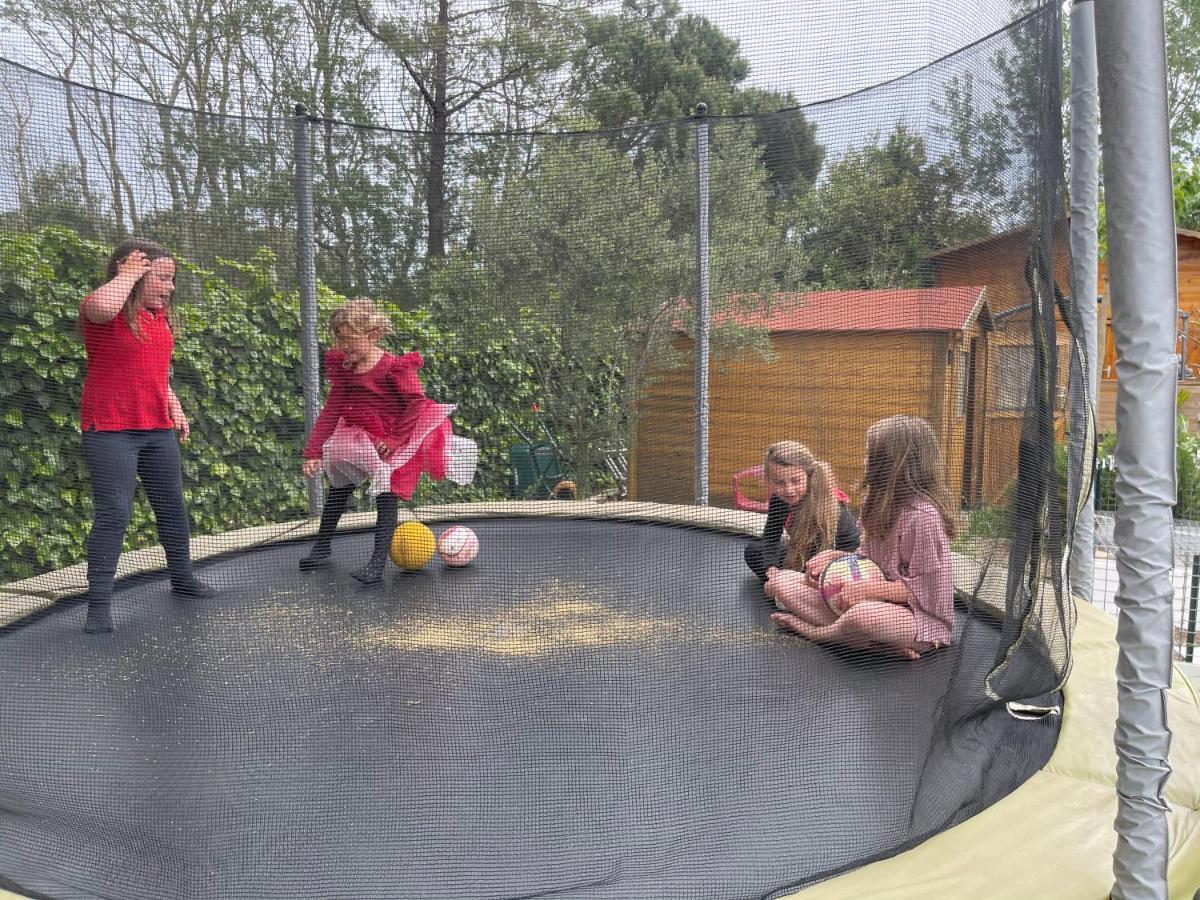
(1187, 469)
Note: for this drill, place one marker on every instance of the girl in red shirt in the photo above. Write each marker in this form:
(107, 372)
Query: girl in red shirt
(129, 416)
(376, 426)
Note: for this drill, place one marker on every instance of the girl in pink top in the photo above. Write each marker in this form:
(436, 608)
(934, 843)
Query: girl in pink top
(907, 528)
(377, 426)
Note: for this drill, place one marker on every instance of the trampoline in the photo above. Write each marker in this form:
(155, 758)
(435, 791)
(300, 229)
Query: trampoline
(591, 709)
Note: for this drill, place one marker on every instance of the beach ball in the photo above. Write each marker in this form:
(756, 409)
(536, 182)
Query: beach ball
(458, 545)
(843, 571)
(412, 546)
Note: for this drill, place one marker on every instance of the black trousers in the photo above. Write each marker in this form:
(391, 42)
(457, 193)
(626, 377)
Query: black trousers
(115, 461)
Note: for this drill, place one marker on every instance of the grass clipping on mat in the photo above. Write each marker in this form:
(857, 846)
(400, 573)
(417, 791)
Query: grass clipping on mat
(561, 617)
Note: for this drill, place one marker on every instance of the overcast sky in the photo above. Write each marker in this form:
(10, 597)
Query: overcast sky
(820, 49)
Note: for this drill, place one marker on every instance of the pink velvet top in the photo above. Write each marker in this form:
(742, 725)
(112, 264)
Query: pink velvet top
(917, 552)
(384, 401)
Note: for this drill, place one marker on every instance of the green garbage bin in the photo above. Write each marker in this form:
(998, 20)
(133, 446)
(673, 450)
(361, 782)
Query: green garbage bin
(536, 469)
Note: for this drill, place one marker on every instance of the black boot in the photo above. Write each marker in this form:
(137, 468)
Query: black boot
(192, 589)
(385, 523)
(99, 616)
(331, 514)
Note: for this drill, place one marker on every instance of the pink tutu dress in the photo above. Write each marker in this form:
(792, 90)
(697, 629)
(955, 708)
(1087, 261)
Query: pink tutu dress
(386, 404)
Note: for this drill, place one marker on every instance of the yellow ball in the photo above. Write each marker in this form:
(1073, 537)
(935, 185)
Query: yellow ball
(413, 546)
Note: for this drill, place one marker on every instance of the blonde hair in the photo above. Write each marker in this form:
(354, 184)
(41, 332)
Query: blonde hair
(360, 317)
(903, 463)
(814, 520)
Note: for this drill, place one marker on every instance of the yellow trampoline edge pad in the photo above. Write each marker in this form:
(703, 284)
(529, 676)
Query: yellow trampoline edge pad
(1054, 836)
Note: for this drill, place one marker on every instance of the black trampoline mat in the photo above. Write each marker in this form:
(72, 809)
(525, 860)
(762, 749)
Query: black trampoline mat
(600, 710)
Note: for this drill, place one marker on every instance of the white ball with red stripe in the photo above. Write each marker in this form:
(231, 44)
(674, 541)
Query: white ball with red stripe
(458, 545)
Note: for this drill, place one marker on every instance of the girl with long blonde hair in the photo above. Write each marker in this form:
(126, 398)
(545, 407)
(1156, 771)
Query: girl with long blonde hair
(805, 504)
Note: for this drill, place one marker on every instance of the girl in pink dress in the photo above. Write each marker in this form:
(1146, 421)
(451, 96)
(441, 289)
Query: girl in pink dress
(907, 528)
(377, 426)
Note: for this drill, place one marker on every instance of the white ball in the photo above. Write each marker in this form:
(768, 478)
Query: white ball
(458, 545)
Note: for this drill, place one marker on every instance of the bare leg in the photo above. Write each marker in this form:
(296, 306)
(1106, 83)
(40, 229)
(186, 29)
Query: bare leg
(890, 627)
(793, 594)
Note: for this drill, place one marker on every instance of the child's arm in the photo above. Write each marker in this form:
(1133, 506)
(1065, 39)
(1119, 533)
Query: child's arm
(406, 384)
(178, 418)
(102, 305)
(848, 536)
(877, 591)
(331, 411)
(925, 578)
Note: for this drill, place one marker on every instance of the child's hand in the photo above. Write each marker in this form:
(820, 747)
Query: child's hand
(771, 585)
(134, 266)
(178, 419)
(816, 564)
(311, 467)
(853, 593)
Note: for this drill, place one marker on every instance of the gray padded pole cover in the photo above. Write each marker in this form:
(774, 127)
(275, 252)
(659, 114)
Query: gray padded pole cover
(1130, 48)
(1085, 241)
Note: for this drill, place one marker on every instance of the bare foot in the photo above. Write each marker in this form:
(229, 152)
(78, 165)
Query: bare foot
(790, 622)
(769, 586)
(909, 653)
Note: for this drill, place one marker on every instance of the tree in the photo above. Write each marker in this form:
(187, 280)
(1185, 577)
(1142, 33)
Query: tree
(880, 212)
(1182, 19)
(650, 63)
(1187, 195)
(460, 57)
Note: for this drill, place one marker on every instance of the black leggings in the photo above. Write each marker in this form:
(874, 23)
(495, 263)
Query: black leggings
(115, 461)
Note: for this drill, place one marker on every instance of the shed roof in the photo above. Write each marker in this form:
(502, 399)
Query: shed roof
(889, 309)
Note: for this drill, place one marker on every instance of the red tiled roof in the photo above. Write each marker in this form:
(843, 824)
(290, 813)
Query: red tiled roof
(909, 309)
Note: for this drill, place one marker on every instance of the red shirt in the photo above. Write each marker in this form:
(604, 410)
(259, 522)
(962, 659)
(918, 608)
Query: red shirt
(383, 401)
(126, 383)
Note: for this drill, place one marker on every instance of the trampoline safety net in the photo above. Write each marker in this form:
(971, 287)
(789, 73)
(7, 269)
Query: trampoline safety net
(718, 362)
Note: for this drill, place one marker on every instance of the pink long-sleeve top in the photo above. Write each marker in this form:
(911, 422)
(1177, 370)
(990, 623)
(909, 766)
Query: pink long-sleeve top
(917, 553)
(385, 401)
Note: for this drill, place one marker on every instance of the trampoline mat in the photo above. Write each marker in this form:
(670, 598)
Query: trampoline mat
(591, 709)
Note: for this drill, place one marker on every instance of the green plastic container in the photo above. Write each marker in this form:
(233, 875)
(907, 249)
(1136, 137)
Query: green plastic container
(536, 469)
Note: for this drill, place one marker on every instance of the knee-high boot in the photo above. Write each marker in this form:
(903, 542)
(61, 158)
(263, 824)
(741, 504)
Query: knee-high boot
(331, 514)
(386, 506)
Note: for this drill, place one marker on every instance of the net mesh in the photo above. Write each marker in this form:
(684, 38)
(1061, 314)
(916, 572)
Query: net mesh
(866, 220)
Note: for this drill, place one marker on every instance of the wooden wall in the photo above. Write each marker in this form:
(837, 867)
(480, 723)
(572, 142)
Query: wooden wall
(822, 389)
(999, 264)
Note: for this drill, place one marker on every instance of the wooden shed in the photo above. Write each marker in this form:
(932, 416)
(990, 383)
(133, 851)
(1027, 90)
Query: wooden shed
(998, 262)
(841, 361)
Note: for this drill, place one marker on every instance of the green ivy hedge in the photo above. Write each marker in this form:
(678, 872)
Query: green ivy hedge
(237, 372)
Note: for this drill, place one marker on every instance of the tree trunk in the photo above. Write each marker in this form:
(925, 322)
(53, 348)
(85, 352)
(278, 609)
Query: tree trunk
(435, 187)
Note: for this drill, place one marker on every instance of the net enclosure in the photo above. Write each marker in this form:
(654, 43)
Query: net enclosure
(634, 316)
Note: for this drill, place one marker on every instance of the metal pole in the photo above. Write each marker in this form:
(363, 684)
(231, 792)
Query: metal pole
(1189, 636)
(1131, 52)
(1183, 345)
(306, 275)
(702, 306)
(1085, 252)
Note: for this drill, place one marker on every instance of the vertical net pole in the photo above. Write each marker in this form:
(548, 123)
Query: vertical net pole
(306, 275)
(702, 305)
(1085, 240)
(1131, 52)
